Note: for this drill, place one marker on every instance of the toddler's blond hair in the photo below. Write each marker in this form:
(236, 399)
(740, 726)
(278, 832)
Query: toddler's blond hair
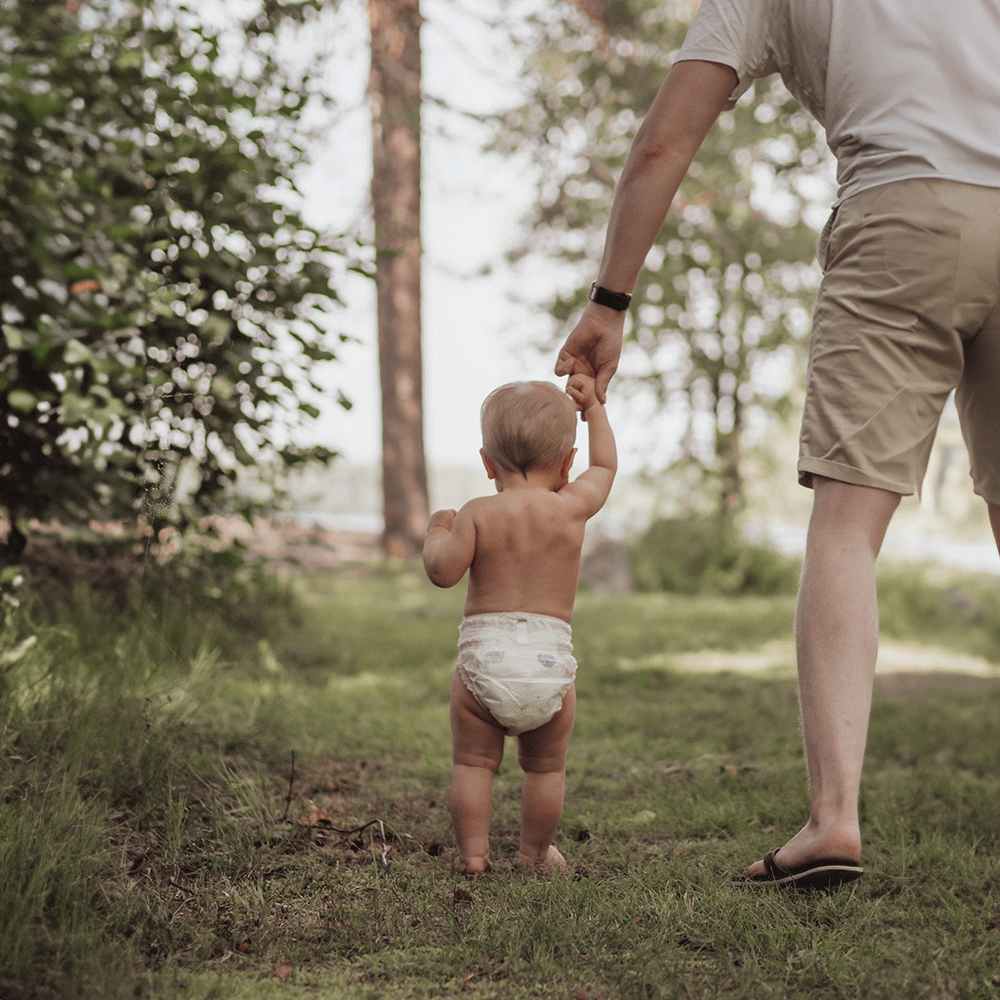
(528, 425)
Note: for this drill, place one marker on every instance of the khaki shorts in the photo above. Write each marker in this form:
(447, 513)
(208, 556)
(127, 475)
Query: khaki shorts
(909, 309)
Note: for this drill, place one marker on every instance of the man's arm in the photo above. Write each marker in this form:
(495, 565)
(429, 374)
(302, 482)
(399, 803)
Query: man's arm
(449, 546)
(683, 111)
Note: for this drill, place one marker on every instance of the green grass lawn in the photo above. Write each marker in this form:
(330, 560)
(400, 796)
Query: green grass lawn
(267, 815)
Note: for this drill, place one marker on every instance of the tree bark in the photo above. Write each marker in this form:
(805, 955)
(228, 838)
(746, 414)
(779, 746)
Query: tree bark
(394, 96)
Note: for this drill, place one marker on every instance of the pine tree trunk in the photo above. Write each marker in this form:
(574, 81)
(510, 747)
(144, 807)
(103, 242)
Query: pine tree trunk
(394, 95)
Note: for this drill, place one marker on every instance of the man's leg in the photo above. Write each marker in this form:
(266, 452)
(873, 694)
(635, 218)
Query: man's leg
(994, 511)
(836, 637)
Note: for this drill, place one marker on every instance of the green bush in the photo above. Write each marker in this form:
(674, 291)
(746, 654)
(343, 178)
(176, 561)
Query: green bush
(703, 555)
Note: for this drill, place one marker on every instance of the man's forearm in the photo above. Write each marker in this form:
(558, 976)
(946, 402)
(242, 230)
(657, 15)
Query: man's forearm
(642, 199)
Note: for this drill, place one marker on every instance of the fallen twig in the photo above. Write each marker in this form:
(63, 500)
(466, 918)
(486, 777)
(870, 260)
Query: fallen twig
(288, 797)
(385, 845)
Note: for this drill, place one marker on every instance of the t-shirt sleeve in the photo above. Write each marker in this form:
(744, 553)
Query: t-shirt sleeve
(734, 33)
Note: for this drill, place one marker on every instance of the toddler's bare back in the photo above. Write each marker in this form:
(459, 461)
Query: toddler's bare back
(528, 544)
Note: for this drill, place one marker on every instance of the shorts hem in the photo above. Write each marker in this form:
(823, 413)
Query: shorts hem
(808, 467)
(982, 495)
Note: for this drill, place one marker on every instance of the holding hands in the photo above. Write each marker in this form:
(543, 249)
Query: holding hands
(582, 389)
(593, 347)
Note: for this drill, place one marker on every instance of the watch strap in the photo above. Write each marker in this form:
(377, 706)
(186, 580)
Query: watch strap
(619, 301)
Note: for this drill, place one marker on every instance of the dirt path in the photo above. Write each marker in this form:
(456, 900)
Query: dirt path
(778, 659)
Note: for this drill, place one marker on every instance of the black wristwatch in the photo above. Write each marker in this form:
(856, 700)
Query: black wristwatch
(613, 300)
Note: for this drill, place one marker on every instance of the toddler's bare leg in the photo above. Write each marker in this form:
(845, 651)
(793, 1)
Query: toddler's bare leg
(542, 755)
(477, 749)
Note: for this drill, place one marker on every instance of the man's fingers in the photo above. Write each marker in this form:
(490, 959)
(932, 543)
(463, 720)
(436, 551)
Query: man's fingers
(602, 380)
(564, 364)
(570, 364)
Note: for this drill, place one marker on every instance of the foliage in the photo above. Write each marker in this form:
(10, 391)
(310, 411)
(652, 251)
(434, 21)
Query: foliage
(163, 303)
(705, 555)
(720, 313)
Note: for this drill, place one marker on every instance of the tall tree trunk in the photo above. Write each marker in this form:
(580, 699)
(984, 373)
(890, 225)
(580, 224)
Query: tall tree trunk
(394, 95)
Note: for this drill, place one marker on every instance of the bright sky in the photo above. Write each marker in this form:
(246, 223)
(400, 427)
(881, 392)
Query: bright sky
(474, 335)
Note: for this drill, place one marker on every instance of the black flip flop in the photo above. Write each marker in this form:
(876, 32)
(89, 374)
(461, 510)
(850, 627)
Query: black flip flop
(823, 873)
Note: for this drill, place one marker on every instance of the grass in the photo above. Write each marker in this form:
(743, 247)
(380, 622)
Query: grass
(261, 810)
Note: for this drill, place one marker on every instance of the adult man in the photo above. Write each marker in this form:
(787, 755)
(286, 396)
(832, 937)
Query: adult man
(908, 310)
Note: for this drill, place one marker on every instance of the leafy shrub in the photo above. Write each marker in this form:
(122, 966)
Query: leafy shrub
(703, 555)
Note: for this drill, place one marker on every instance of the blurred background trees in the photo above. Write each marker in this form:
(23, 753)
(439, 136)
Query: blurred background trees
(163, 302)
(394, 97)
(720, 316)
(165, 305)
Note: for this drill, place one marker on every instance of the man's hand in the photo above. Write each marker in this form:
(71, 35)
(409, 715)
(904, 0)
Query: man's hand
(594, 347)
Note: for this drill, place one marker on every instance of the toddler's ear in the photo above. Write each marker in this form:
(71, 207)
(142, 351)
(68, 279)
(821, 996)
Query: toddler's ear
(491, 469)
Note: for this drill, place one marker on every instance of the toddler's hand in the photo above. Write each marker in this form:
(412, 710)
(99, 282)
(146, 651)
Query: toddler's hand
(582, 390)
(441, 519)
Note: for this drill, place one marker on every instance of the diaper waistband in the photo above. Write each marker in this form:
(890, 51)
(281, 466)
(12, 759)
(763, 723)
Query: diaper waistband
(524, 628)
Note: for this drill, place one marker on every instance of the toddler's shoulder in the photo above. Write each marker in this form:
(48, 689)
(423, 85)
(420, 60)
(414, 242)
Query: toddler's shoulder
(480, 507)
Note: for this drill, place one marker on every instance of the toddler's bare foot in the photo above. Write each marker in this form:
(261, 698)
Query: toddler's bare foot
(552, 860)
(471, 866)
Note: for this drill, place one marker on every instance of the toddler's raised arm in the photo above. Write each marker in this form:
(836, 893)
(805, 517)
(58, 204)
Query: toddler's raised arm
(594, 485)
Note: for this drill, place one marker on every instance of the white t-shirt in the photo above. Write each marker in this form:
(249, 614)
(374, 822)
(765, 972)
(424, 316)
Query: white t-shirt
(904, 88)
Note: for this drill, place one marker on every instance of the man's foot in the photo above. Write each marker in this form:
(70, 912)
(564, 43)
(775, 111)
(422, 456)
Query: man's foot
(806, 850)
(822, 873)
(471, 866)
(551, 861)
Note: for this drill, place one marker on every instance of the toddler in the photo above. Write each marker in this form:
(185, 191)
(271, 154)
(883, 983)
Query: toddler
(522, 548)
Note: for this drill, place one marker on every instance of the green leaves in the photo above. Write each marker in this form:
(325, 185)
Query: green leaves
(158, 307)
(21, 400)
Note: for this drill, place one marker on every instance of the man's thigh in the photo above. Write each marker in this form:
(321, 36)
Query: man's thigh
(900, 298)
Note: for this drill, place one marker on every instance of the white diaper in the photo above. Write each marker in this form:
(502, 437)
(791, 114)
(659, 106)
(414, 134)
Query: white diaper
(518, 666)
